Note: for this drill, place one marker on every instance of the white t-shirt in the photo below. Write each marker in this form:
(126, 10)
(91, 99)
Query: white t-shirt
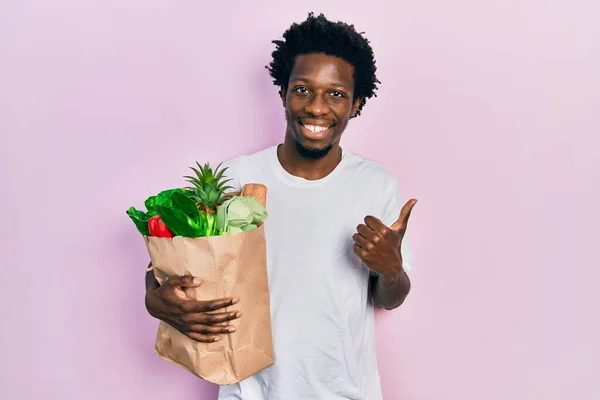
(322, 315)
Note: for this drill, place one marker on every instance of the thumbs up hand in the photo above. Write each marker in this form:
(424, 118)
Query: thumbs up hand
(379, 246)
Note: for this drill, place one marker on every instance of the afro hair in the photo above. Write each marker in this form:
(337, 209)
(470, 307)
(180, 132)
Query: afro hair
(338, 39)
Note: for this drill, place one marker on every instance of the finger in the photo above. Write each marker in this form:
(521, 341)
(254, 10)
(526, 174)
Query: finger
(207, 306)
(374, 223)
(213, 319)
(365, 231)
(180, 282)
(360, 252)
(218, 304)
(210, 319)
(360, 241)
(211, 330)
(202, 338)
(402, 222)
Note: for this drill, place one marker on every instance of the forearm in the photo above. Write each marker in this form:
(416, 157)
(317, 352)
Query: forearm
(390, 294)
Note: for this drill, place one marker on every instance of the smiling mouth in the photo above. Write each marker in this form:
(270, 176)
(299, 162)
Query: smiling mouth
(314, 132)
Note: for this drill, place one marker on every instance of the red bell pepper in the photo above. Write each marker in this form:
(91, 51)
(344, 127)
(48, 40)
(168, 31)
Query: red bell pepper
(158, 228)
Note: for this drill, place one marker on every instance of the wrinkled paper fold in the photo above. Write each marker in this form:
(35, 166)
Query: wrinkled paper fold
(231, 265)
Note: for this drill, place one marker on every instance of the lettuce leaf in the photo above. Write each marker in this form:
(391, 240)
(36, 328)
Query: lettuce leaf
(179, 223)
(140, 219)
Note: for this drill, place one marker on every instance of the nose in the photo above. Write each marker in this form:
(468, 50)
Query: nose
(317, 106)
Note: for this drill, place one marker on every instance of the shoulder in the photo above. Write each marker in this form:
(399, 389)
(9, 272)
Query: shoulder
(371, 172)
(248, 160)
(381, 184)
(247, 167)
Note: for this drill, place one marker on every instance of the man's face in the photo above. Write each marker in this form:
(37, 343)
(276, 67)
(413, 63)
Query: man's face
(318, 102)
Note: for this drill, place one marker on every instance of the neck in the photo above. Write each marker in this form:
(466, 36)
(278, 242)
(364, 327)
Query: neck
(310, 169)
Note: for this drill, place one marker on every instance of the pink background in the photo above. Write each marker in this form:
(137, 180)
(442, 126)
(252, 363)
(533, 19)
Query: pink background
(488, 112)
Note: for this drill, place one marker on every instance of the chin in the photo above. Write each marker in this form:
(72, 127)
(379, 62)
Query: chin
(312, 152)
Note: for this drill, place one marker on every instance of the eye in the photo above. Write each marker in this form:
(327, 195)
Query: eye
(301, 90)
(337, 94)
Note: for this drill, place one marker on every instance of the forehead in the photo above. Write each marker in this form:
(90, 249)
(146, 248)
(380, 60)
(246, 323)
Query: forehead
(323, 69)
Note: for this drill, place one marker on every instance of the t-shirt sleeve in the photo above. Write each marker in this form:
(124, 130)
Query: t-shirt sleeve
(392, 205)
(233, 174)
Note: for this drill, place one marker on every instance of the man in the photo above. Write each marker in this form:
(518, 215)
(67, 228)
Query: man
(334, 234)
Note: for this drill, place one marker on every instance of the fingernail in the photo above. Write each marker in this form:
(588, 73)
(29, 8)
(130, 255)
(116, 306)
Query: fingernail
(238, 315)
(235, 301)
(196, 281)
(232, 329)
(216, 339)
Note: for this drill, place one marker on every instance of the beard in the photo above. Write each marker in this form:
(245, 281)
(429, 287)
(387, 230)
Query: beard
(309, 153)
(312, 153)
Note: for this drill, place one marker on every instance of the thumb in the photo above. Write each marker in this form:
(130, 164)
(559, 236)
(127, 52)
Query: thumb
(180, 282)
(402, 221)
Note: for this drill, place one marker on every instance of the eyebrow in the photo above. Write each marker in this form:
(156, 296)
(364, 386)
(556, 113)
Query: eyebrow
(334, 84)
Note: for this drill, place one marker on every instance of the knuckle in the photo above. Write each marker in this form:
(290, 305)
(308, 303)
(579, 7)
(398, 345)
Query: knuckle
(185, 307)
(185, 319)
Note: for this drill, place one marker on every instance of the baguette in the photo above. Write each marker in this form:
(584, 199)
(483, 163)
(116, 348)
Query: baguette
(257, 190)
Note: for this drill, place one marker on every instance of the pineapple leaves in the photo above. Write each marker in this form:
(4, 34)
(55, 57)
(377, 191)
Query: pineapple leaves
(189, 211)
(208, 186)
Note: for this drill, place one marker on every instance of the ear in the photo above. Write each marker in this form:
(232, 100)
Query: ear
(283, 94)
(355, 106)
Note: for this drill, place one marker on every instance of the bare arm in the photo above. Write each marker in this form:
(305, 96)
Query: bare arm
(196, 319)
(390, 294)
(380, 249)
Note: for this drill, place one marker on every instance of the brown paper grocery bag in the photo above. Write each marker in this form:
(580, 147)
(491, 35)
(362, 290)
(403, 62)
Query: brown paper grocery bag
(229, 266)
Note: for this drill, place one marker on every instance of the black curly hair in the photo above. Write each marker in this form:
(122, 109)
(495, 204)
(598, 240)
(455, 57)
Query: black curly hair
(319, 35)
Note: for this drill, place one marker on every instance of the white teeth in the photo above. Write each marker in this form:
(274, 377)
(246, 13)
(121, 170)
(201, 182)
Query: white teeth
(316, 129)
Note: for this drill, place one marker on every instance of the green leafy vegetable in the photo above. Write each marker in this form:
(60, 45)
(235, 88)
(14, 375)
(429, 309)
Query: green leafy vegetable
(185, 204)
(241, 214)
(179, 223)
(212, 228)
(198, 210)
(140, 219)
(161, 199)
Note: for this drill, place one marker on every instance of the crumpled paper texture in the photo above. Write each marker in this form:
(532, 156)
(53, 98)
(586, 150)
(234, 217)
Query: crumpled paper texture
(230, 266)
